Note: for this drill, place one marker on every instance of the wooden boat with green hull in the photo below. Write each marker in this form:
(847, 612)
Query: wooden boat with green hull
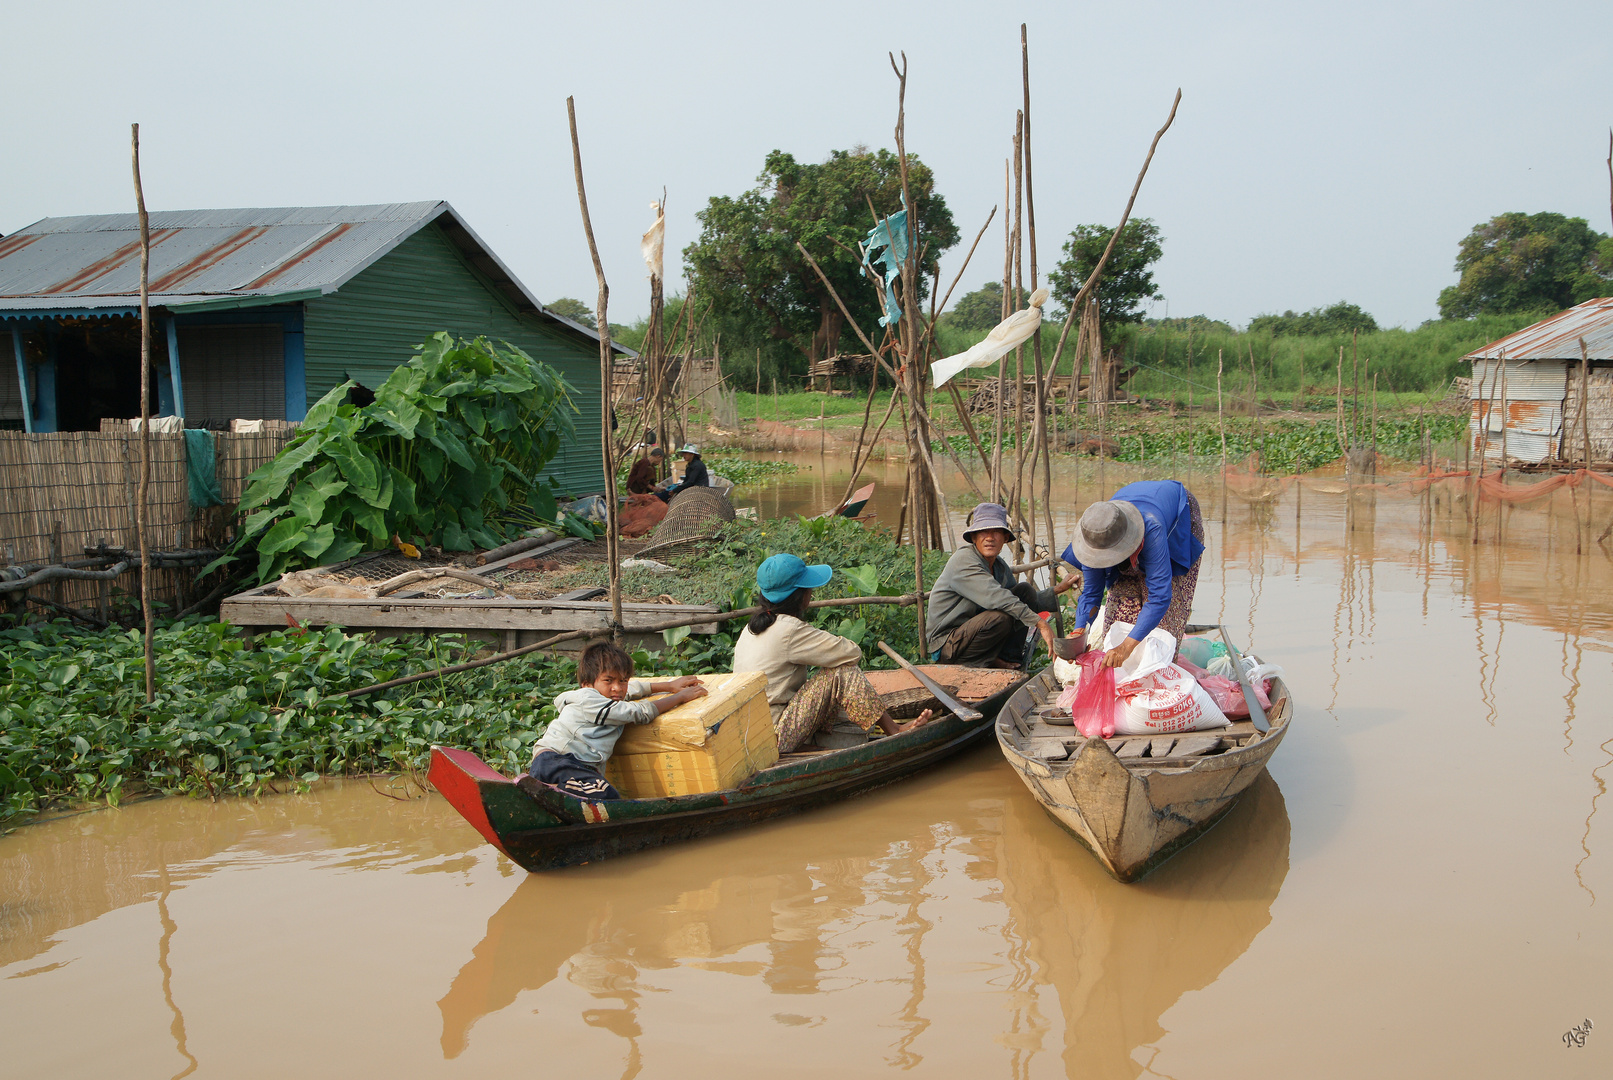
(541, 828)
(1133, 801)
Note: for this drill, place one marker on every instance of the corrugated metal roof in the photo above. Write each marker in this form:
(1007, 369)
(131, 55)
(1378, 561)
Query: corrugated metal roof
(1557, 338)
(202, 256)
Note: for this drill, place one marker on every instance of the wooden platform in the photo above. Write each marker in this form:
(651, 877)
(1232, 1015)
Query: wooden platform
(507, 623)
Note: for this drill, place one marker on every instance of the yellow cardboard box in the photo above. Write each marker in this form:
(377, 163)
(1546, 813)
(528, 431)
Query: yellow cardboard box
(707, 744)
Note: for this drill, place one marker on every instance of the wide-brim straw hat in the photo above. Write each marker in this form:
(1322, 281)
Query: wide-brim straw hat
(987, 516)
(1108, 533)
(690, 448)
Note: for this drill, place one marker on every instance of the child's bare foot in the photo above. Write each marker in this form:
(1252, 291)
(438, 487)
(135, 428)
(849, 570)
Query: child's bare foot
(918, 721)
(1009, 665)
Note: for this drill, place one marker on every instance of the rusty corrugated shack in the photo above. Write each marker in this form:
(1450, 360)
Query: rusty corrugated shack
(1531, 397)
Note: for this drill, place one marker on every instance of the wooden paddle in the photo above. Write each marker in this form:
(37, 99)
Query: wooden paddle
(952, 704)
(1257, 715)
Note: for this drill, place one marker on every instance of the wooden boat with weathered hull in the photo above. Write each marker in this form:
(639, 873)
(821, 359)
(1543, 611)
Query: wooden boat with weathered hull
(1133, 801)
(564, 831)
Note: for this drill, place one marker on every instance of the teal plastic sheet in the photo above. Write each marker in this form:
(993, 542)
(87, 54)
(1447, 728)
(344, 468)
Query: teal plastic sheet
(201, 470)
(887, 242)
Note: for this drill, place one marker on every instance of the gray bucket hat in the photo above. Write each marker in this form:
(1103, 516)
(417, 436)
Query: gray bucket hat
(988, 516)
(1108, 533)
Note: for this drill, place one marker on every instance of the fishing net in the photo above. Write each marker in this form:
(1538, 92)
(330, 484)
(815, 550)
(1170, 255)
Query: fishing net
(694, 516)
(1256, 487)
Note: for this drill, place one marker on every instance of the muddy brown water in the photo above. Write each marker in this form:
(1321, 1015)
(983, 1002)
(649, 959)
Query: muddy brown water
(1420, 887)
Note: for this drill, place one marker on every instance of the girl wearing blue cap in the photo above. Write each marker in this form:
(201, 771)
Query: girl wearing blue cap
(779, 643)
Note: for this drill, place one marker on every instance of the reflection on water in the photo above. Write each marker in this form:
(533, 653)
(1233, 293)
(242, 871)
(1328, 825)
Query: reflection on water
(1426, 856)
(1116, 957)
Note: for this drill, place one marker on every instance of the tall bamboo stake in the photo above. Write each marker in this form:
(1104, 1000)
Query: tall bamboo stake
(1585, 401)
(1338, 414)
(1043, 392)
(1192, 447)
(1002, 362)
(1355, 391)
(1221, 420)
(141, 508)
(1504, 424)
(606, 362)
(1015, 508)
(1097, 271)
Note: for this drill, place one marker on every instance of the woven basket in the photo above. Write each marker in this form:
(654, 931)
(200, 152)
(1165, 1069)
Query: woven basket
(694, 517)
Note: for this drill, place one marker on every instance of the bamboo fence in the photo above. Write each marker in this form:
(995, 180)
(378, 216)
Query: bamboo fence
(63, 492)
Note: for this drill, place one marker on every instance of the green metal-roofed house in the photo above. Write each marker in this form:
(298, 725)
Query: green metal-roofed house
(257, 313)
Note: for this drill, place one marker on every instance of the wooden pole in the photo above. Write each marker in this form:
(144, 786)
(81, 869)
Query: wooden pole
(1097, 271)
(1338, 415)
(1355, 393)
(1504, 424)
(606, 363)
(142, 506)
(1585, 401)
(1299, 400)
(1044, 386)
(1015, 508)
(1002, 362)
(1221, 420)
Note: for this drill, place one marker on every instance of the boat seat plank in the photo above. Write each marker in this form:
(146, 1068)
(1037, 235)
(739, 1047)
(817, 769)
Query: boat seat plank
(1195, 745)
(1161, 747)
(1047, 749)
(1131, 748)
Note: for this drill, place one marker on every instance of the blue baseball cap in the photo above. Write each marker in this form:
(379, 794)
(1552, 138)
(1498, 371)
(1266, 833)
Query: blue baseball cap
(781, 575)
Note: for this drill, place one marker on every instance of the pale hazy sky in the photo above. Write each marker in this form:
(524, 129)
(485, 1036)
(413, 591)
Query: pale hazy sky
(1323, 151)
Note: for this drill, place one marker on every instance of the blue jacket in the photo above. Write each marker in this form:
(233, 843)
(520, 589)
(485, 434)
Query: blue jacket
(1169, 548)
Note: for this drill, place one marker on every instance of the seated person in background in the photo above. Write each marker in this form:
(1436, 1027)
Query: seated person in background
(977, 614)
(646, 471)
(571, 754)
(779, 643)
(694, 473)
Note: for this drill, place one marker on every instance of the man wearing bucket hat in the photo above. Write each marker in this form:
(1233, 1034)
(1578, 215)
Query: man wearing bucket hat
(978, 614)
(694, 473)
(780, 644)
(1139, 556)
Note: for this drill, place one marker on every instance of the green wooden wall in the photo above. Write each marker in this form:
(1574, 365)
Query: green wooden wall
(376, 321)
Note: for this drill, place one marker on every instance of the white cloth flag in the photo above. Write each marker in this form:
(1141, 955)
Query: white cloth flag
(1014, 330)
(653, 242)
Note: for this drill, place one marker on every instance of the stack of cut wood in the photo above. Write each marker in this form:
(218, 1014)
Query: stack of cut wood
(984, 400)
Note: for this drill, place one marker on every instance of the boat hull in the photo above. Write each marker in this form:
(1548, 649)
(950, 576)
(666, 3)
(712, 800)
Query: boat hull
(537, 838)
(1133, 815)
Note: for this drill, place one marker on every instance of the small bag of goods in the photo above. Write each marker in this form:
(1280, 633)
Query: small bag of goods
(1225, 690)
(708, 744)
(1147, 695)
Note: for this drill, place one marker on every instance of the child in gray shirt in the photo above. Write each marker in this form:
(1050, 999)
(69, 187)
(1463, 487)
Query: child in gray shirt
(571, 754)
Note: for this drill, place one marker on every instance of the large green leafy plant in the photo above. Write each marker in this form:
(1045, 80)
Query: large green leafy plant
(452, 444)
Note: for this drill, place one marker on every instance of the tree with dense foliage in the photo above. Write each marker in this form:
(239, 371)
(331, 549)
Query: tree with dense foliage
(1340, 318)
(981, 309)
(752, 286)
(1528, 263)
(1127, 279)
(1196, 324)
(575, 310)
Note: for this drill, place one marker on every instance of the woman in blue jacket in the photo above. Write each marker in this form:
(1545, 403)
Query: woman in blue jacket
(1141, 550)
